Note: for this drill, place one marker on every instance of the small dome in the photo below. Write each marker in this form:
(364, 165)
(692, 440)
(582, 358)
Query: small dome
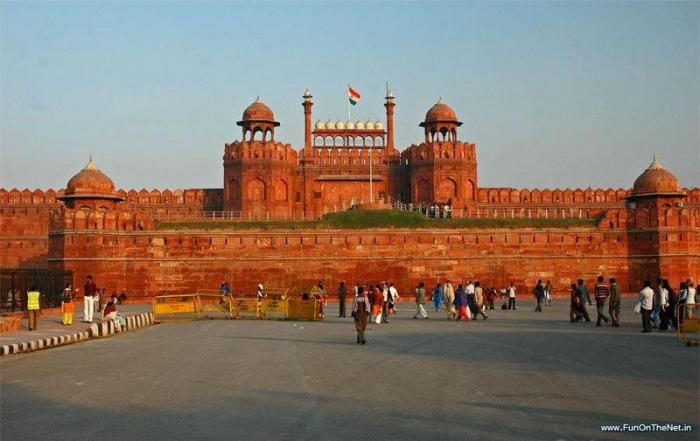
(258, 111)
(330, 125)
(340, 125)
(378, 125)
(90, 182)
(320, 125)
(359, 125)
(440, 112)
(350, 125)
(656, 180)
(369, 125)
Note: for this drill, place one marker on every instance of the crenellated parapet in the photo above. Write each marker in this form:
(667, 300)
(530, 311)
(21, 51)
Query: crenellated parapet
(260, 150)
(28, 197)
(536, 196)
(452, 151)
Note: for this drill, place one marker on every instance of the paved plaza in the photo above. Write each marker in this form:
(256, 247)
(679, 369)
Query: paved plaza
(517, 376)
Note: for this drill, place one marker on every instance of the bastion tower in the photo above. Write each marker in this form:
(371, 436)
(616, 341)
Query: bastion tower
(258, 171)
(442, 168)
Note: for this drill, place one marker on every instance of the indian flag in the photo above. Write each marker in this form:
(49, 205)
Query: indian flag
(353, 95)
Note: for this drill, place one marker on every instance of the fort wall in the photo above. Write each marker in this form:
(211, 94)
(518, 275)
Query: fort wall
(123, 251)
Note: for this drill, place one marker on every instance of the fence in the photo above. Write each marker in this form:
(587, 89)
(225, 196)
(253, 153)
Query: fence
(201, 305)
(15, 282)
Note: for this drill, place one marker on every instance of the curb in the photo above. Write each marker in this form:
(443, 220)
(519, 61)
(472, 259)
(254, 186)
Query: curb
(96, 330)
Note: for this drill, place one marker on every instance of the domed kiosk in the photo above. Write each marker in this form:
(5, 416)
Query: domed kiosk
(440, 123)
(655, 184)
(90, 188)
(258, 117)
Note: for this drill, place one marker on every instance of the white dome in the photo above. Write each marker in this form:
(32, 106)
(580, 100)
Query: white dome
(320, 125)
(369, 125)
(340, 125)
(359, 125)
(378, 125)
(330, 125)
(350, 125)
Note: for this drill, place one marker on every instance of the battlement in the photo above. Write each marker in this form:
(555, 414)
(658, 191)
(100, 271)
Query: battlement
(245, 150)
(440, 150)
(28, 197)
(589, 196)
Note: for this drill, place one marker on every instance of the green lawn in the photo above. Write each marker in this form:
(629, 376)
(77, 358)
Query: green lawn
(364, 219)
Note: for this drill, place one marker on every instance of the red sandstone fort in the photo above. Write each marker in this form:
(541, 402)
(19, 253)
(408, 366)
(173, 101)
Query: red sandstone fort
(651, 230)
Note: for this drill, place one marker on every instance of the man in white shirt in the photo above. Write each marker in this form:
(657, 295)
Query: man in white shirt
(646, 298)
(511, 296)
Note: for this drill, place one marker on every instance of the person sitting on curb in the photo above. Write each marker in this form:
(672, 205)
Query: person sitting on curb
(110, 313)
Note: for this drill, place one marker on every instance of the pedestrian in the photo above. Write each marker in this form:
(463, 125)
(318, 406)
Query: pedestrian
(360, 313)
(491, 298)
(89, 299)
(585, 298)
(663, 306)
(672, 305)
(548, 293)
(385, 303)
(614, 304)
(576, 308)
(601, 292)
(511, 296)
(479, 301)
(376, 299)
(462, 304)
(539, 295)
(393, 298)
(342, 293)
(420, 301)
(471, 303)
(449, 296)
(437, 296)
(646, 301)
(33, 308)
(319, 293)
(67, 306)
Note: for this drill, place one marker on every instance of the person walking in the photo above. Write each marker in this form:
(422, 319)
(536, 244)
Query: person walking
(462, 304)
(89, 299)
(646, 298)
(601, 292)
(585, 298)
(33, 308)
(663, 306)
(511, 296)
(385, 303)
(548, 293)
(420, 302)
(614, 304)
(360, 314)
(393, 298)
(471, 303)
(342, 293)
(67, 306)
(539, 295)
(375, 300)
(672, 305)
(479, 301)
(437, 296)
(449, 292)
(575, 308)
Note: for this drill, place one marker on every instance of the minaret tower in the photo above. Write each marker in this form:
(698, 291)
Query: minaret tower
(308, 103)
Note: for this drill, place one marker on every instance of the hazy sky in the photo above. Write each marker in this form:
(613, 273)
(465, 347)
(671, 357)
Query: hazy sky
(554, 94)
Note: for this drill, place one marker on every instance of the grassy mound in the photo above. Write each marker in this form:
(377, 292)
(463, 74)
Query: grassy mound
(366, 219)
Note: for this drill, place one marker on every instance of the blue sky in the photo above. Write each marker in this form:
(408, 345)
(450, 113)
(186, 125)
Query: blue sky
(554, 94)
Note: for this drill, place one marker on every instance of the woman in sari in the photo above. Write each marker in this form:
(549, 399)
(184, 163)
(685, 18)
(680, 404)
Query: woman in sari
(67, 306)
(462, 304)
(576, 308)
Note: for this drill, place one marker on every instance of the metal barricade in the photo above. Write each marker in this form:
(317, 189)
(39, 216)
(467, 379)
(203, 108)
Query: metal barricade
(688, 324)
(176, 307)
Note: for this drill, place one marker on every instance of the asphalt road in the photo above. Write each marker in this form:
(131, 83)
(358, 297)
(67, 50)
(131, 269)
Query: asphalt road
(517, 376)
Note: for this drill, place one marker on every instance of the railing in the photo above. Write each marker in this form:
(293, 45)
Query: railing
(443, 211)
